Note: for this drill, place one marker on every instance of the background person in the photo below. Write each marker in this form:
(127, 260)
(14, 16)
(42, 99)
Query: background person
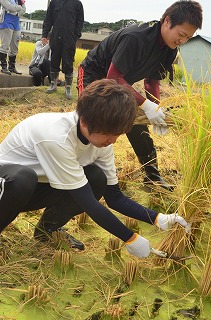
(39, 66)
(144, 51)
(64, 162)
(67, 18)
(10, 33)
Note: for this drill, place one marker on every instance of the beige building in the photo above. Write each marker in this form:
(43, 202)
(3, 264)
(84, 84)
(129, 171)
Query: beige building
(31, 30)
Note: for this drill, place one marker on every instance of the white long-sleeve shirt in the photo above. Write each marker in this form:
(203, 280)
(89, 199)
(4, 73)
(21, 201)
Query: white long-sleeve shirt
(39, 53)
(48, 144)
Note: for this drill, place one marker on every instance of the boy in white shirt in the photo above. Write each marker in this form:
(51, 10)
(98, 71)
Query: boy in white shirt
(64, 162)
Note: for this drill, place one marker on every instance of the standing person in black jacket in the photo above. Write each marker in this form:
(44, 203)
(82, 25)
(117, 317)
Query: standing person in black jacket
(144, 52)
(66, 18)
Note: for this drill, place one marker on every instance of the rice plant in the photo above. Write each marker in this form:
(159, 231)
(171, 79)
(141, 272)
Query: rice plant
(26, 50)
(206, 279)
(193, 145)
(205, 284)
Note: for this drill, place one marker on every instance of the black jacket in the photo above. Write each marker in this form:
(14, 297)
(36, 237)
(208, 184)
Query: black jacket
(135, 52)
(67, 18)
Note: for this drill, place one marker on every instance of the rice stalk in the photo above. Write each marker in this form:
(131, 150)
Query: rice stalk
(115, 311)
(206, 279)
(63, 259)
(132, 224)
(125, 173)
(130, 271)
(114, 249)
(37, 294)
(142, 119)
(205, 285)
(82, 219)
(193, 145)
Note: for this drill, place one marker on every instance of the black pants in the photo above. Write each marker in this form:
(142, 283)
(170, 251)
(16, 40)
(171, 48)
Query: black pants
(62, 54)
(40, 72)
(20, 191)
(139, 136)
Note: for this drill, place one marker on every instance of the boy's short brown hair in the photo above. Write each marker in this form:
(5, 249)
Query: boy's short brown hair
(184, 12)
(107, 107)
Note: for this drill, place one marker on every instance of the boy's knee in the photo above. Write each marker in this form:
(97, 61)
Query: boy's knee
(95, 174)
(25, 178)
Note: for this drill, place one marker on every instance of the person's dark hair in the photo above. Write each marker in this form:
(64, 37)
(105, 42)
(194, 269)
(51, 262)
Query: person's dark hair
(107, 107)
(184, 12)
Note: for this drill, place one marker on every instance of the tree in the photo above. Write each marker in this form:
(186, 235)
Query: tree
(36, 15)
(88, 27)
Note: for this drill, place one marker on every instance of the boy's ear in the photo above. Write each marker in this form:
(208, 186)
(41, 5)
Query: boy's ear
(167, 19)
(82, 123)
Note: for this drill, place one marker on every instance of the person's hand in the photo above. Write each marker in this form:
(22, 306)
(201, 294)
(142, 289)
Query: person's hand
(154, 113)
(160, 130)
(139, 247)
(166, 221)
(21, 2)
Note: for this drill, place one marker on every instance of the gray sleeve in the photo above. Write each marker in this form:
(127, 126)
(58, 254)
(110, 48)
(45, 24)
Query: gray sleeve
(11, 7)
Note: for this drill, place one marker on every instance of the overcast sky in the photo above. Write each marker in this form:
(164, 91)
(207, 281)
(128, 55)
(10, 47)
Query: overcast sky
(115, 10)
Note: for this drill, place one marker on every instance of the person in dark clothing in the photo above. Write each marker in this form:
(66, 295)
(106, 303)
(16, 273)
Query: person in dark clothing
(144, 51)
(64, 162)
(66, 19)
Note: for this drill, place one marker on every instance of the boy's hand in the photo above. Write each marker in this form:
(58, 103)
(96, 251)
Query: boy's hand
(166, 221)
(139, 247)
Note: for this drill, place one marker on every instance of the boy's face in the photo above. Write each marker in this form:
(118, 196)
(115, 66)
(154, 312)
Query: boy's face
(178, 35)
(98, 140)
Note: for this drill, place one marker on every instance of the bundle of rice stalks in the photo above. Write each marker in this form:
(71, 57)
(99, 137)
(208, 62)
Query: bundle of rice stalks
(125, 173)
(63, 259)
(37, 294)
(193, 146)
(206, 279)
(205, 284)
(82, 219)
(142, 119)
(131, 271)
(116, 311)
(132, 224)
(114, 249)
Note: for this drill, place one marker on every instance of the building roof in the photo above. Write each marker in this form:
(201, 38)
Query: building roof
(208, 39)
(104, 27)
(93, 36)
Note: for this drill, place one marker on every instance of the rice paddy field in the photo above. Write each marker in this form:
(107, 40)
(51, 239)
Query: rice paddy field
(50, 281)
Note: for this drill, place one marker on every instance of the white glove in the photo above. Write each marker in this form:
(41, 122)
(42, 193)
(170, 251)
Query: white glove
(138, 247)
(160, 130)
(166, 221)
(154, 113)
